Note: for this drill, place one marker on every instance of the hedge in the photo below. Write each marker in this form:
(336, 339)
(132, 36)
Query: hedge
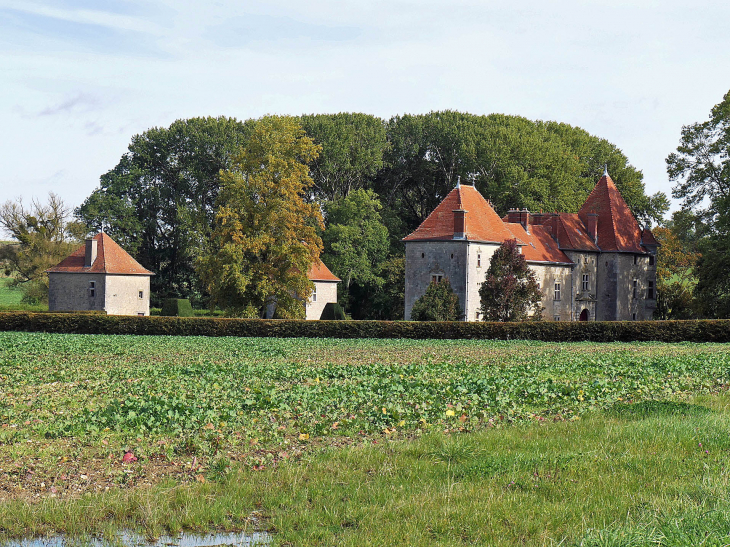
(177, 307)
(553, 331)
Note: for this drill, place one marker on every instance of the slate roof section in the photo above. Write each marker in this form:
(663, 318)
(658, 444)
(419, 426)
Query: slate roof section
(618, 230)
(319, 272)
(482, 222)
(539, 244)
(110, 259)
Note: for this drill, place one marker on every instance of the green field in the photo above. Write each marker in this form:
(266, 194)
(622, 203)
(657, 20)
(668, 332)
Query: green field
(367, 442)
(8, 297)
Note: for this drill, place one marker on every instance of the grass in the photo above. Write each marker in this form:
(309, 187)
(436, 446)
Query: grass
(583, 444)
(11, 298)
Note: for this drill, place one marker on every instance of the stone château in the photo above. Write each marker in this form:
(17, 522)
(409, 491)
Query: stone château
(597, 264)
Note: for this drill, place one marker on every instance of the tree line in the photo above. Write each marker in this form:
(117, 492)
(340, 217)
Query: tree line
(374, 181)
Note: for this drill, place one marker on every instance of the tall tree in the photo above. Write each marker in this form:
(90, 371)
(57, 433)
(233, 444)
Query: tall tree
(676, 276)
(700, 169)
(265, 234)
(355, 241)
(352, 152)
(158, 202)
(45, 236)
(510, 291)
(513, 161)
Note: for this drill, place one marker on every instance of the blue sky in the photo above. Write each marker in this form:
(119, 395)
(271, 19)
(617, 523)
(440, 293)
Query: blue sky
(79, 78)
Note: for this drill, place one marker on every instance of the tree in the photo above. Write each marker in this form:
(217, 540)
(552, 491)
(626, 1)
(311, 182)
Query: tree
(676, 277)
(352, 152)
(355, 241)
(513, 161)
(385, 301)
(45, 236)
(510, 291)
(439, 303)
(701, 170)
(265, 238)
(159, 201)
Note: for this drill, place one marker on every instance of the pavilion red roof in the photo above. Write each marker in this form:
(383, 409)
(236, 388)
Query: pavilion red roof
(319, 272)
(110, 259)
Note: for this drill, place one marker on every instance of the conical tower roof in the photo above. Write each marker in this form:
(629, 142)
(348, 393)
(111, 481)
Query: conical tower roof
(617, 228)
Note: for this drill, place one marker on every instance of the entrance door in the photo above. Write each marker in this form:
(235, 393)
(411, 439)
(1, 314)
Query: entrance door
(583, 315)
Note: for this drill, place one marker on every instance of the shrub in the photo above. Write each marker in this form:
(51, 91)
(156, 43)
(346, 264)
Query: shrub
(333, 312)
(177, 307)
(439, 303)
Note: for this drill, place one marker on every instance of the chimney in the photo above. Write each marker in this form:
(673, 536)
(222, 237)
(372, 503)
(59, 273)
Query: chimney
(459, 224)
(592, 226)
(513, 216)
(91, 245)
(554, 223)
(525, 219)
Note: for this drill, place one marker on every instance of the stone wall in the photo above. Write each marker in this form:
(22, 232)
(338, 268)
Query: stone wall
(326, 292)
(463, 263)
(586, 263)
(71, 292)
(548, 276)
(123, 294)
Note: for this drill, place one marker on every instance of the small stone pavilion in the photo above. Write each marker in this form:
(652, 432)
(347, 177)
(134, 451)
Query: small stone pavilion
(102, 276)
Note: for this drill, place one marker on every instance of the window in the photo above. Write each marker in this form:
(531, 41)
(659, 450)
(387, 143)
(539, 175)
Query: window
(436, 278)
(651, 260)
(650, 290)
(557, 292)
(586, 280)
(636, 286)
(314, 293)
(141, 294)
(423, 255)
(633, 316)
(92, 289)
(636, 259)
(538, 286)
(140, 313)
(452, 256)
(478, 316)
(556, 318)
(479, 261)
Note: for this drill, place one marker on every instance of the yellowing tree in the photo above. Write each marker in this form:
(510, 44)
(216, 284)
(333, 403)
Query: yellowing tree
(265, 233)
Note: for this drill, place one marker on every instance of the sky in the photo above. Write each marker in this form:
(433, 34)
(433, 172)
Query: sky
(80, 78)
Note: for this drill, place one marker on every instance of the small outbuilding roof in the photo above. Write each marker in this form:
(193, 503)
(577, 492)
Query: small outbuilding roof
(319, 272)
(110, 259)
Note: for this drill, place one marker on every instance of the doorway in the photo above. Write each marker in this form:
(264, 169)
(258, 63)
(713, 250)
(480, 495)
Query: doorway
(583, 315)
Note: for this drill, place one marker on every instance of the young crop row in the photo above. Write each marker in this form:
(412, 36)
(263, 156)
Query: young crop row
(77, 386)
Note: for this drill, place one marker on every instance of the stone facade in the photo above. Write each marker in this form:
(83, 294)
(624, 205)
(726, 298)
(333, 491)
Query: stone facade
(325, 292)
(99, 276)
(598, 264)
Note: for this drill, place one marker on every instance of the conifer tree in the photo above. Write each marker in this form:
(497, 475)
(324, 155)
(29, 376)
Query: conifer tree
(510, 291)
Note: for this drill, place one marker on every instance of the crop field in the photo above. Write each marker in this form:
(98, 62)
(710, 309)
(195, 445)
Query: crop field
(83, 414)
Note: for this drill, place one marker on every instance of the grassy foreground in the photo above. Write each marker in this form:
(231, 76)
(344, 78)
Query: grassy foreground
(366, 442)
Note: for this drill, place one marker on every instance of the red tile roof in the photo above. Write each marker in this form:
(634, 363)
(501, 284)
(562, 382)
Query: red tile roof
(574, 235)
(110, 259)
(319, 272)
(539, 244)
(647, 238)
(618, 230)
(482, 222)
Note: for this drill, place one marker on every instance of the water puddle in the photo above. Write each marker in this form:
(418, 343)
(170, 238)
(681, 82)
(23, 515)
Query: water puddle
(233, 539)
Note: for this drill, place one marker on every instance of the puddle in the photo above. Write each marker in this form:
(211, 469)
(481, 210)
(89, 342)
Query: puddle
(234, 539)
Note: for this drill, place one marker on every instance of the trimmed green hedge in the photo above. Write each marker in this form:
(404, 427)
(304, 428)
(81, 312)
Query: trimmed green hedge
(555, 331)
(177, 307)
